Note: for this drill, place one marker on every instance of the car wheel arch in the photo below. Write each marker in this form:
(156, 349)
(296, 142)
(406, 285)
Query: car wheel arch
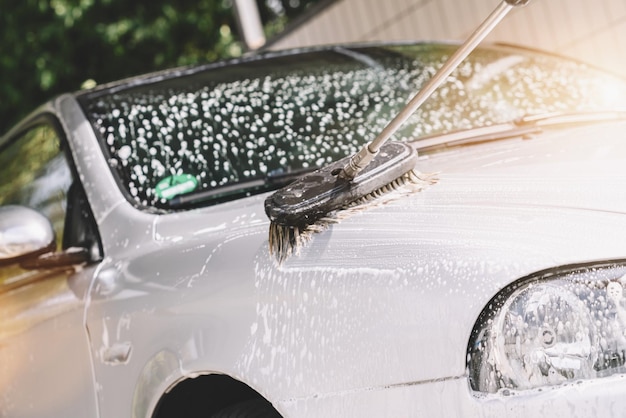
(205, 395)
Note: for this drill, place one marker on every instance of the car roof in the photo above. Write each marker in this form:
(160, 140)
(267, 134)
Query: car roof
(170, 73)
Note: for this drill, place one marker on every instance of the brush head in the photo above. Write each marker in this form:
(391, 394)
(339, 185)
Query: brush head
(314, 195)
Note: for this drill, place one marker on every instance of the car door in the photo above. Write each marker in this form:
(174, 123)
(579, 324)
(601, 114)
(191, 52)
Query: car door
(45, 364)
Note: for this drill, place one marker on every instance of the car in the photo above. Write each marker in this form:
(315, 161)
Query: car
(142, 273)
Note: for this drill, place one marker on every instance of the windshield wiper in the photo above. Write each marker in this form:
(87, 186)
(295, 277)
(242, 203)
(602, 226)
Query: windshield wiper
(568, 118)
(273, 180)
(525, 126)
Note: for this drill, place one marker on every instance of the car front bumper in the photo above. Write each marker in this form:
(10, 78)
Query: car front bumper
(449, 398)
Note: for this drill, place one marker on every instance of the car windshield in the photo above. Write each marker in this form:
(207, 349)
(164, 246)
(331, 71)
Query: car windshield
(231, 125)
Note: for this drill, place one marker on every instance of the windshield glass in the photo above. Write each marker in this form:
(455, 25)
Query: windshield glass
(234, 124)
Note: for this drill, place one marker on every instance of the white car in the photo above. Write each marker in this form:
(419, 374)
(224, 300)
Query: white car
(137, 277)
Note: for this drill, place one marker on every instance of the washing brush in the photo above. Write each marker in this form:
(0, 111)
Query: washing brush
(306, 205)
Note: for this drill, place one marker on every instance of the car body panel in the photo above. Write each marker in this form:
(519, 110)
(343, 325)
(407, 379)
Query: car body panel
(353, 311)
(35, 316)
(450, 398)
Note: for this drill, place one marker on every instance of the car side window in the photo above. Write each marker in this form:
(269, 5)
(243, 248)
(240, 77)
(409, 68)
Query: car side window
(35, 173)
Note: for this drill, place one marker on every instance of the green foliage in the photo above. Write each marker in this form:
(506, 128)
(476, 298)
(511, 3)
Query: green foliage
(277, 14)
(53, 46)
(48, 47)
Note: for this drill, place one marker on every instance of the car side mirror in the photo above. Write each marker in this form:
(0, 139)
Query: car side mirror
(25, 234)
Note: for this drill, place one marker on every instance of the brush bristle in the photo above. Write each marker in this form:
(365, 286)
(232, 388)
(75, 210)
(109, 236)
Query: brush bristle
(282, 240)
(285, 241)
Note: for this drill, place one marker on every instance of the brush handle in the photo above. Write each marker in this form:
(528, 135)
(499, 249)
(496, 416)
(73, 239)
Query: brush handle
(367, 153)
(446, 69)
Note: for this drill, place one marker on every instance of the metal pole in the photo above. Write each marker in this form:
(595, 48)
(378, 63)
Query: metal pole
(367, 153)
(249, 22)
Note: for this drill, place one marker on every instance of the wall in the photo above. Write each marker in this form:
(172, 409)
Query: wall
(590, 30)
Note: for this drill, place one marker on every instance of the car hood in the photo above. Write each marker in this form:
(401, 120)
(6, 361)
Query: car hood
(389, 295)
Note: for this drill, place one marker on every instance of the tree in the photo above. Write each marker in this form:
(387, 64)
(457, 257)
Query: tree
(54, 46)
(50, 47)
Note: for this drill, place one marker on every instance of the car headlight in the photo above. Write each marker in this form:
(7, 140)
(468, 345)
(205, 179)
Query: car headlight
(553, 327)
